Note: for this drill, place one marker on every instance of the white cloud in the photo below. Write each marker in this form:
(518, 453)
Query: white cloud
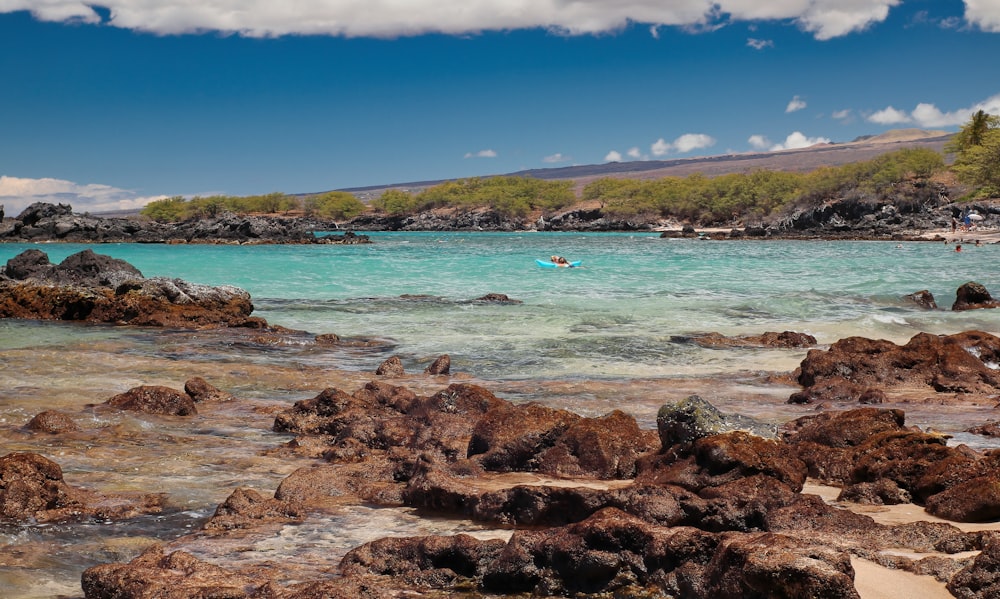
(481, 154)
(841, 115)
(984, 14)
(759, 142)
(825, 19)
(17, 193)
(683, 144)
(555, 158)
(889, 116)
(613, 156)
(929, 115)
(795, 104)
(797, 140)
(634, 153)
(757, 44)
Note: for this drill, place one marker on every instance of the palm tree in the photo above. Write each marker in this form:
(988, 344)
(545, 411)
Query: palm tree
(973, 132)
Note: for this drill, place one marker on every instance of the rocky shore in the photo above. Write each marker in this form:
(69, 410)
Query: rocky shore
(57, 222)
(706, 505)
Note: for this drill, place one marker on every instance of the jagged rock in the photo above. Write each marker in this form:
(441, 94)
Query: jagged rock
(96, 288)
(440, 366)
(945, 363)
(981, 578)
(924, 299)
(498, 298)
(693, 418)
(178, 575)
(154, 399)
(391, 367)
(245, 508)
(973, 296)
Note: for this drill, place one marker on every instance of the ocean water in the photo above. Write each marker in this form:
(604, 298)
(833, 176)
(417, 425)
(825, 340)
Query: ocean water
(590, 339)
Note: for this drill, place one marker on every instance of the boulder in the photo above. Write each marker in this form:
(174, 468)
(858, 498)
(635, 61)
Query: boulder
(693, 418)
(391, 367)
(981, 578)
(154, 399)
(440, 366)
(958, 363)
(51, 421)
(199, 390)
(973, 296)
(245, 508)
(923, 299)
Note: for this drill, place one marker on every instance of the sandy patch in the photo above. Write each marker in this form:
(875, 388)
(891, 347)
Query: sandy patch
(873, 581)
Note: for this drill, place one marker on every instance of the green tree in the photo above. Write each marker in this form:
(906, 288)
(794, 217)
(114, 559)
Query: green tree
(972, 133)
(979, 165)
(167, 210)
(394, 201)
(336, 205)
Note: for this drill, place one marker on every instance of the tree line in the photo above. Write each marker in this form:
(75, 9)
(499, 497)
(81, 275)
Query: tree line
(695, 198)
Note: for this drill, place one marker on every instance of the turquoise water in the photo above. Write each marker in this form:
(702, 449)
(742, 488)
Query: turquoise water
(589, 339)
(613, 317)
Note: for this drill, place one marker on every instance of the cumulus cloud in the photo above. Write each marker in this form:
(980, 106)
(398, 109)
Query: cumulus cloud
(555, 158)
(842, 115)
(929, 115)
(984, 14)
(481, 154)
(634, 153)
(17, 193)
(798, 140)
(795, 104)
(825, 19)
(759, 142)
(683, 144)
(613, 156)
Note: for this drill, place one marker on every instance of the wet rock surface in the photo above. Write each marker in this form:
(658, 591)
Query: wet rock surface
(97, 288)
(599, 506)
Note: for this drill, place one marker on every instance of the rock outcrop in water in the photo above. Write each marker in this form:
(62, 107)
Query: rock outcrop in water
(97, 288)
(57, 222)
(612, 511)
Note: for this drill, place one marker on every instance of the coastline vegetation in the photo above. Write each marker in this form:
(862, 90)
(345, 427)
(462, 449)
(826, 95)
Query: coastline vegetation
(695, 198)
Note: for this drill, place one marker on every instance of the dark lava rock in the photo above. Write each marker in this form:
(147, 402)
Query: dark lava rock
(973, 296)
(924, 299)
(981, 578)
(945, 363)
(154, 399)
(95, 288)
(693, 418)
(498, 298)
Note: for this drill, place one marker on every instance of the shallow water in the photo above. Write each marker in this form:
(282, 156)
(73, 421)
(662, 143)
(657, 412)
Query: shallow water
(589, 339)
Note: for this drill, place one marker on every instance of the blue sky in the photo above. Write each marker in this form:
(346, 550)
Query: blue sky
(110, 106)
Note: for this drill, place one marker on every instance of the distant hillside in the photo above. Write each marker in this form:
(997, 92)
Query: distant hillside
(807, 159)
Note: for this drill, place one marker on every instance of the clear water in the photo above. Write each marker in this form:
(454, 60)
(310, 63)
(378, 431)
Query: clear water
(589, 339)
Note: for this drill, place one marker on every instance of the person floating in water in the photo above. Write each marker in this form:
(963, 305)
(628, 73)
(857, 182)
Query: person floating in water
(559, 261)
(958, 248)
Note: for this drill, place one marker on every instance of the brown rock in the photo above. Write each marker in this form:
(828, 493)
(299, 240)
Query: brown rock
(440, 366)
(974, 500)
(51, 421)
(437, 562)
(511, 437)
(946, 363)
(785, 339)
(391, 367)
(178, 575)
(981, 578)
(245, 508)
(973, 296)
(199, 390)
(605, 447)
(154, 399)
(923, 298)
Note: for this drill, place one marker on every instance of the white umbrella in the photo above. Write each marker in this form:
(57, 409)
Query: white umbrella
(975, 217)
